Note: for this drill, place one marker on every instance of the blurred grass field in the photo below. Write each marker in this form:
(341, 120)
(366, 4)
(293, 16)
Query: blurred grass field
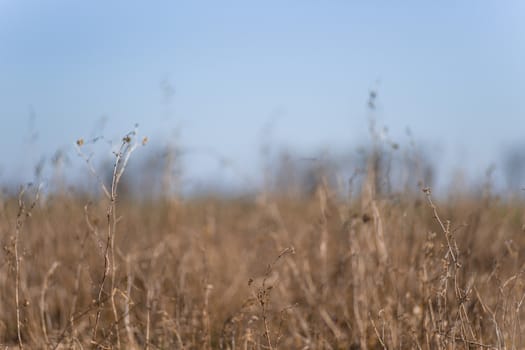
(321, 270)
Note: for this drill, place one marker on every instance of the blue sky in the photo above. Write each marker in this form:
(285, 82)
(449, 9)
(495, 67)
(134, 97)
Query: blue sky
(451, 71)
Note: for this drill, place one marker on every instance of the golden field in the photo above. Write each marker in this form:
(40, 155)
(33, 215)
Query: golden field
(319, 270)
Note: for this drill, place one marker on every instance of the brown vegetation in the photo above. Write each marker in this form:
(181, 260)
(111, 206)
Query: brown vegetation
(316, 271)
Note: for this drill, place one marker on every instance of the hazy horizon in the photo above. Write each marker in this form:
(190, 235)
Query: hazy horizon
(227, 77)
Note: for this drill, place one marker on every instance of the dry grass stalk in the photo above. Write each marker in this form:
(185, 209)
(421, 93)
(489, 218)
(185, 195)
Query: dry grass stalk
(23, 213)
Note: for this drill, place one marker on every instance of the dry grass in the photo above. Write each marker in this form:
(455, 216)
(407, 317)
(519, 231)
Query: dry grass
(316, 272)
